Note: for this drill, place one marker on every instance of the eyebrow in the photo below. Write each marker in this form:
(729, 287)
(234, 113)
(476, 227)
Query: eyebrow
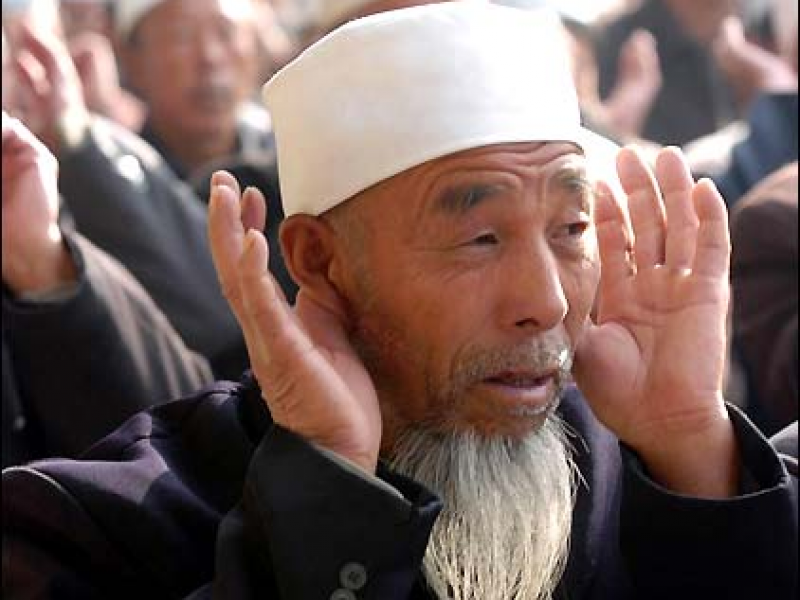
(574, 179)
(458, 199)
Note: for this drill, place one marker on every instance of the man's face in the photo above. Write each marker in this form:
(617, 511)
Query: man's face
(471, 284)
(193, 62)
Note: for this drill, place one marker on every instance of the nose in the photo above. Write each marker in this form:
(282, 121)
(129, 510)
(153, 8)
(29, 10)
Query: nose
(534, 294)
(211, 49)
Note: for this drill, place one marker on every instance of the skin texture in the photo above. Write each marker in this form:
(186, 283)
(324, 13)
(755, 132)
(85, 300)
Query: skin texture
(357, 358)
(193, 63)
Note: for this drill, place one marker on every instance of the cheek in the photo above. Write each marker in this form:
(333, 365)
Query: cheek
(580, 287)
(406, 340)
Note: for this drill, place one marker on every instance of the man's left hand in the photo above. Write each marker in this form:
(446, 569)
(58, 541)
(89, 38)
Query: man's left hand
(652, 367)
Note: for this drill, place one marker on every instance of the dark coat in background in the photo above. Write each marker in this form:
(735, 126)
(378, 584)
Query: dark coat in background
(124, 198)
(76, 367)
(206, 498)
(764, 271)
(770, 144)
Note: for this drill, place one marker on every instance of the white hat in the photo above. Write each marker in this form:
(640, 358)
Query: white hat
(388, 92)
(128, 13)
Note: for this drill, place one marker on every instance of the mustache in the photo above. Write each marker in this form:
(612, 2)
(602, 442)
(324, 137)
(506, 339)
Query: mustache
(540, 355)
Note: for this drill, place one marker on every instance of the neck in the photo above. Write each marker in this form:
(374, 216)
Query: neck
(193, 149)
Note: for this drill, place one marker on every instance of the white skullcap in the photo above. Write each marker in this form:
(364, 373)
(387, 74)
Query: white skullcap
(128, 13)
(388, 92)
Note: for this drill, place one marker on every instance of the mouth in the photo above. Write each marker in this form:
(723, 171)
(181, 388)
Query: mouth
(212, 97)
(523, 393)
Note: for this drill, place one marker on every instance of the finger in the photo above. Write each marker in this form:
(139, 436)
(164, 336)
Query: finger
(612, 239)
(267, 321)
(645, 206)
(226, 238)
(47, 51)
(713, 248)
(254, 209)
(225, 178)
(31, 76)
(676, 185)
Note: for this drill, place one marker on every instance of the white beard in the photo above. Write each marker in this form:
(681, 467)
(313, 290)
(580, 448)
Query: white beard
(504, 531)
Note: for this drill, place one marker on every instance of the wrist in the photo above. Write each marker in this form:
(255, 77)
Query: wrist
(698, 459)
(53, 269)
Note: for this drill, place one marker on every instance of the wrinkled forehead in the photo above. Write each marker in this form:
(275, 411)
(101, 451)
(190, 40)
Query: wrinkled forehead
(539, 164)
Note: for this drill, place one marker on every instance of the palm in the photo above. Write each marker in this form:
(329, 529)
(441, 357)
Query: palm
(656, 357)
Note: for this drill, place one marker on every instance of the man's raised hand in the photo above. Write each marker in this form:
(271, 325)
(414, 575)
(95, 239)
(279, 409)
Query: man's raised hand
(311, 379)
(652, 367)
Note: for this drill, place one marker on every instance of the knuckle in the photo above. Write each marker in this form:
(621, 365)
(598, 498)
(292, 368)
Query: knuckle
(230, 291)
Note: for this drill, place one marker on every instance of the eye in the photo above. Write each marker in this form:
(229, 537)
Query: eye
(487, 239)
(572, 231)
(577, 229)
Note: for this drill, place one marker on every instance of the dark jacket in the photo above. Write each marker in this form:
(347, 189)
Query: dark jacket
(206, 498)
(771, 143)
(764, 271)
(76, 368)
(124, 198)
(254, 136)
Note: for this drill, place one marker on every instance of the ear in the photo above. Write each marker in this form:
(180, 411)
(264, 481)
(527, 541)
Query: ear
(313, 256)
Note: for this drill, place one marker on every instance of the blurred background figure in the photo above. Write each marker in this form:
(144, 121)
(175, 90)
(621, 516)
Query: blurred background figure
(194, 63)
(695, 97)
(84, 347)
(277, 43)
(764, 271)
(768, 85)
(89, 31)
(119, 193)
(87, 16)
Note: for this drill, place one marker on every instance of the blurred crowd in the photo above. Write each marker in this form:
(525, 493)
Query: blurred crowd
(141, 101)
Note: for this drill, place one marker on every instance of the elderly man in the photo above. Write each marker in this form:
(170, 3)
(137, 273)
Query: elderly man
(193, 62)
(412, 430)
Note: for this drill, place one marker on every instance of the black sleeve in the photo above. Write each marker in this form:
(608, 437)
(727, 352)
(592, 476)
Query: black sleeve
(739, 548)
(304, 527)
(86, 363)
(320, 527)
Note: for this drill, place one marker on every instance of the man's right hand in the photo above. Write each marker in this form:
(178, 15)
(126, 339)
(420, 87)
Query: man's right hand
(311, 378)
(34, 256)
